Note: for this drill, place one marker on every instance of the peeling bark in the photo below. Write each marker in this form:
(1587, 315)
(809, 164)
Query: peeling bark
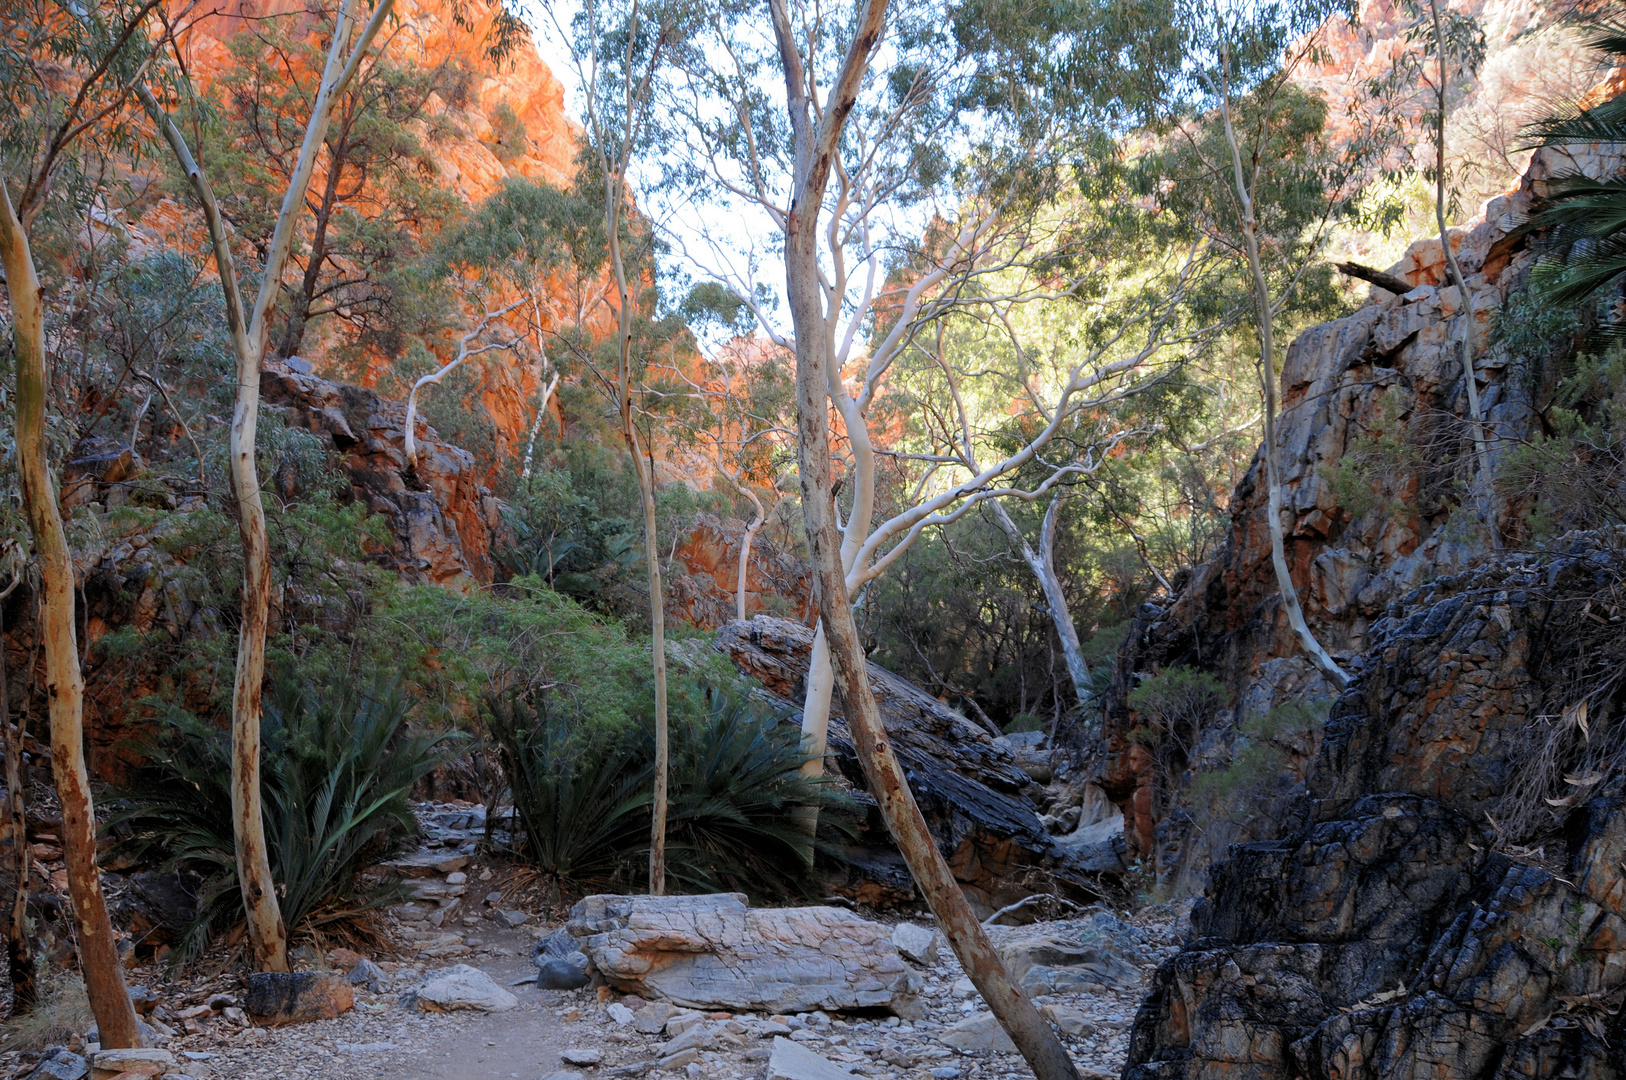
(64, 682)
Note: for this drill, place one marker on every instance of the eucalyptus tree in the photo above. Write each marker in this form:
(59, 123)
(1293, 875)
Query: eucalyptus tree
(620, 52)
(70, 73)
(1444, 50)
(910, 175)
(348, 47)
(976, 176)
(1249, 163)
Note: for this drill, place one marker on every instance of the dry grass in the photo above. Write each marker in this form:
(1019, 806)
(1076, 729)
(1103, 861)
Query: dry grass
(62, 1014)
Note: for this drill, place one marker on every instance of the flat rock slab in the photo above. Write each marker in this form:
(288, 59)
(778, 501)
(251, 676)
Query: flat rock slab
(793, 1061)
(713, 952)
(131, 1063)
(462, 987)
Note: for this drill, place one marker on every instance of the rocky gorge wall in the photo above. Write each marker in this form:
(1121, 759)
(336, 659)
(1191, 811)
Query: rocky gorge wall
(1393, 930)
(1386, 375)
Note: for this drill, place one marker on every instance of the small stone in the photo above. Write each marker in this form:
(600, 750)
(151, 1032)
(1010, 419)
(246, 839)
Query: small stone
(364, 1048)
(198, 1055)
(368, 974)
(493, 899)
(582, 1058)
(280, 997)
(945, 1072)
(451, 865)
(682, 1021)
(461, 987)
(678, 1060)
(486, 875)
(234, 1014)
(916, 943)
(345, 959)
(513, 919)
(457, 877)
(963, 988)
(653, 1017)
(622, 1015)
(60, 1064)
(560, 964)
(1068, 1020)
(791, 1061)
(143, 999)
(136, 1062)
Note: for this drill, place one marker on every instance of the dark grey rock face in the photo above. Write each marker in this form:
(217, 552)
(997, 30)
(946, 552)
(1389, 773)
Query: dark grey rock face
(1398, 930)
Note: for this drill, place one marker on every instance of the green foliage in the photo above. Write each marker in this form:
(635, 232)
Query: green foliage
(508, 136)
(1259, 762)
(1177, 707)
(336, 770)
(1573, 475)
(583, 794)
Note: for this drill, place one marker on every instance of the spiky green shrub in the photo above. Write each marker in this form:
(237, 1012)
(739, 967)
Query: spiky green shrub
(336, 770)
(583, 795)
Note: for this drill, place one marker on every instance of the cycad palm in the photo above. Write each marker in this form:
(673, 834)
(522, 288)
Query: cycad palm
(1585, 218)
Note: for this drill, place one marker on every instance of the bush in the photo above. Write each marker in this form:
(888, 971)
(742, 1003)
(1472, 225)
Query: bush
(336, 770)
(583, 795)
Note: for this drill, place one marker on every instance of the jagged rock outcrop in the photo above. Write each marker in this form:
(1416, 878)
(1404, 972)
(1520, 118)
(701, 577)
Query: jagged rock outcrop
(977, 799)
(1388, 371)
(1448, 898)
(445, 521)
(701, 581)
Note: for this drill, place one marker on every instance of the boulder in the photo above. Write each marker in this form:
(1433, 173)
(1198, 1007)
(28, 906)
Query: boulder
(281, 997)
(461, 987)
(793, 1061)
(713, 952)
(1044, 962)
(979, 1031)
(916, 943)
(60, 1063)
(560, 963)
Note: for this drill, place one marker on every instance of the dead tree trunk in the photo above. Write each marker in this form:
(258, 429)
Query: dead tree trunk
(1043, 564)
(64, 684)
(815, 144)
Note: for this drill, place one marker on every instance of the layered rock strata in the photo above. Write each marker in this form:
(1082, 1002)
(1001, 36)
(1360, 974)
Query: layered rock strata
(1449, 899)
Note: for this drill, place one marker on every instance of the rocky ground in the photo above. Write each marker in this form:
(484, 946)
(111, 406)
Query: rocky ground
(463, 914)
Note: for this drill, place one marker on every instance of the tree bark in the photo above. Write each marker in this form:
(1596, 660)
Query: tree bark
(815, 151)
(64, 683)
(19, 940)
(1043, 564)
(657, 649)
(1267, 358)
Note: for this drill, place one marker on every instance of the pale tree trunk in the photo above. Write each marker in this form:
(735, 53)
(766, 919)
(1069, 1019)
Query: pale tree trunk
(268, 936)
(614, 191)
(1267, 358)
(815, 150)
(64, 684)
(1454, 273)
(19, 940)
(1043, 564)
(657, 650)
